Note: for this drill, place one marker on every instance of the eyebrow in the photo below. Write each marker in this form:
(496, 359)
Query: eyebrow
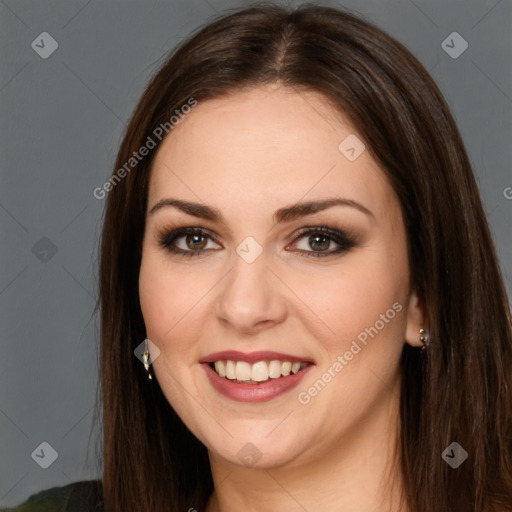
(286, 214)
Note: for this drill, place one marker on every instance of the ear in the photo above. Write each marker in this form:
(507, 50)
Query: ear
(415, 320)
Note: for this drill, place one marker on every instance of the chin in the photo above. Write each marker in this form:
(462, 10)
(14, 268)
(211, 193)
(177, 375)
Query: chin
(257, 451)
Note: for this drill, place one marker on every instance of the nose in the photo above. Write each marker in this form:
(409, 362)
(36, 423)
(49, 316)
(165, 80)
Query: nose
(252, 297)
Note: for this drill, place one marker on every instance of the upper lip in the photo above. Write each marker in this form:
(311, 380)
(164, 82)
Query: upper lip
(252, 357)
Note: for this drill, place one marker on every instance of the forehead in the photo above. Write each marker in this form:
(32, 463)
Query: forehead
(263, 146)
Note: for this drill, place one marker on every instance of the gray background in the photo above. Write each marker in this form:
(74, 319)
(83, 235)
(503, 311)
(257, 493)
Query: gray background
(61, 122)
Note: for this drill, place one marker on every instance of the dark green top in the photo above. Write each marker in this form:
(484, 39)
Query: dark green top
(85, 496)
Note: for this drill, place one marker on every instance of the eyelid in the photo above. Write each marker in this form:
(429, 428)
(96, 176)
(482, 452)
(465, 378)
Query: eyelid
(176, 231)
(344, 238)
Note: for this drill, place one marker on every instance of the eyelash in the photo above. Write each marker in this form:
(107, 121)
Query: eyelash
(343, 239)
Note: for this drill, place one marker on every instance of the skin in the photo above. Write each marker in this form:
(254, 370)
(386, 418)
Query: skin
(248, 155)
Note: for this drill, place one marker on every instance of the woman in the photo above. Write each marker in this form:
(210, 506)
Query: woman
(295, 249)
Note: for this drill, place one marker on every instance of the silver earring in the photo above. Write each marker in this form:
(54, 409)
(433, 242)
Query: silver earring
(146, 360)
(424, 338)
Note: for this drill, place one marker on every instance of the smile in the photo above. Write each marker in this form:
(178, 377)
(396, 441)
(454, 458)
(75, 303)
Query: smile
(256, 376)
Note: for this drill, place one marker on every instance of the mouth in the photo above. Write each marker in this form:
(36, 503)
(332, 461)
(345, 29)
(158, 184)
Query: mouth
(254, 377)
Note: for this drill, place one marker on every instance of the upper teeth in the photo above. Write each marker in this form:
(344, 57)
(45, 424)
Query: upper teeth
(258, 372)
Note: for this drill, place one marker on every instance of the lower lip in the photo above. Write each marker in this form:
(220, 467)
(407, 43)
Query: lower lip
(254, 392)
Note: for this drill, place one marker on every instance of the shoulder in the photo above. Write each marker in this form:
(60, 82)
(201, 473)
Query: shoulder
(84, 496)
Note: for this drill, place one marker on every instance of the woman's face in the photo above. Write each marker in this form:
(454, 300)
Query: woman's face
(339, 300)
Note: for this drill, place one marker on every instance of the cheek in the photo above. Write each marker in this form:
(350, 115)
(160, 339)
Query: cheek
(155, 301)
(158, 297)
(365, 312)
(170, 301)
(365, 300)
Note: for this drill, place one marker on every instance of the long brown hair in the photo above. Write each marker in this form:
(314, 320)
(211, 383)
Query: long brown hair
(459, 390)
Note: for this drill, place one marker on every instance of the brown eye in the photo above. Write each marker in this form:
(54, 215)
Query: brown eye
(319, 242)
(195, 241)
(320, 238)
